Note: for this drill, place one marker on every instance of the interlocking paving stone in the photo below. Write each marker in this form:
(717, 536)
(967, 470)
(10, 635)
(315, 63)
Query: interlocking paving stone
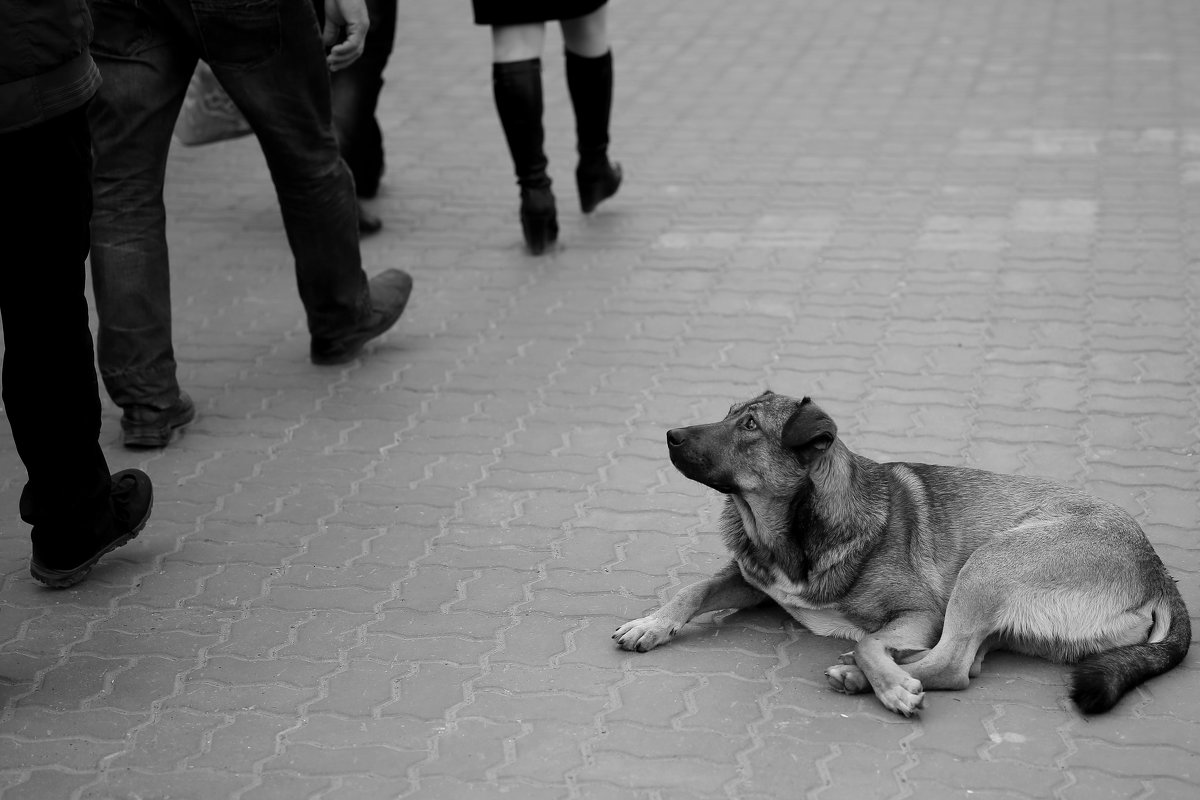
(970, 229)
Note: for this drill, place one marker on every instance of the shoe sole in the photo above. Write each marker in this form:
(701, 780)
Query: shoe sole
(66, 578)
(157, 438)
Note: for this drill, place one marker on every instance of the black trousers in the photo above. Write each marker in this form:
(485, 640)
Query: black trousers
(51, 395)
(356, 95)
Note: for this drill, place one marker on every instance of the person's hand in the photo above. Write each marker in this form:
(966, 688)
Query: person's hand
(346, 24)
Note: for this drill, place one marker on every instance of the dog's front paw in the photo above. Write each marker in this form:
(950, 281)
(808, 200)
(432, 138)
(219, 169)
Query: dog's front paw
(645, 634)
(847, 678)
(904, 697)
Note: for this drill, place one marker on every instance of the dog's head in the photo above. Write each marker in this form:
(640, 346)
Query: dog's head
(764, 445)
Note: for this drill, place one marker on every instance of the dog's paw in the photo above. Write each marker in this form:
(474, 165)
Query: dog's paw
(905, 697)
(847, 658)
(847, 678)
(645, 634)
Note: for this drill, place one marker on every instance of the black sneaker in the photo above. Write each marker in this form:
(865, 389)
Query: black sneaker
(390, 291)
(131, 499)
(144, 427)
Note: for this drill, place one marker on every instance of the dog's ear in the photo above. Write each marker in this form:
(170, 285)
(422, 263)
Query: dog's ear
(809, 432)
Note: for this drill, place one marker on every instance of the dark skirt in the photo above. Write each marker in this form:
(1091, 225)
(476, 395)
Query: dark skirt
(523, 12)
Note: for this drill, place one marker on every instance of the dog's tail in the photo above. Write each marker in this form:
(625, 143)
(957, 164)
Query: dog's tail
(1101, 679)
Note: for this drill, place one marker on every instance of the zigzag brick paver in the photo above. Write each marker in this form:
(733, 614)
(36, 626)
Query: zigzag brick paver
(970, 228)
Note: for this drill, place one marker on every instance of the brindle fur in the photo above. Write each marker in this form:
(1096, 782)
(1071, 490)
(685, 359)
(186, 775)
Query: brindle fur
(926, 567)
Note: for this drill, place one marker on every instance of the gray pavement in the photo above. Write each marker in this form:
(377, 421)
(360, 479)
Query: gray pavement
(968, 228)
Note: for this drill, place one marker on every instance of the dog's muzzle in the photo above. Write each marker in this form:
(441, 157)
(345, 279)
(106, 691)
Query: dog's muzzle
(681, 454)
(676, 437)
(688, 449)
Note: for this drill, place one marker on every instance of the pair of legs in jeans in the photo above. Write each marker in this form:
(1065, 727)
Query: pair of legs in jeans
(517, 89)
(355, 97)
(269, 58)
(78, 512)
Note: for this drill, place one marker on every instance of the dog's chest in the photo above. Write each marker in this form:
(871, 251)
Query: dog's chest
(821, 620)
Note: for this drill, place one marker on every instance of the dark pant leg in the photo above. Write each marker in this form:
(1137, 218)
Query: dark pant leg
(356, 96)
(146, 73)
(271, 62)
(51, 395)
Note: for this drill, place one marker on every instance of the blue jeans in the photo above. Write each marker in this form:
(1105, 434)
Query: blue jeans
(268, 56)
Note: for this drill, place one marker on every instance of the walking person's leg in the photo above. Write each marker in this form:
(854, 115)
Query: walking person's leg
(589, 68)
(517, 89)
(51, 395)
(273, 67)
(132, 118)
(356, 92)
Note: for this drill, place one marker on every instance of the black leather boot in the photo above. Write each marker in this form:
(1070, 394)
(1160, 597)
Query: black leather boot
(517, 88)
(590, 83)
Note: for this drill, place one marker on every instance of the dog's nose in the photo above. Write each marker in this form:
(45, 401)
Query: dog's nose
(675, 437)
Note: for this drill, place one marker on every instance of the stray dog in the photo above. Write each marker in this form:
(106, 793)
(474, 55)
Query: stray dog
(926, 567)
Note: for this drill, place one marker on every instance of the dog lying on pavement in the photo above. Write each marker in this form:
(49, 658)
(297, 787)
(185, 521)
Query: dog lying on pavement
(926, 567)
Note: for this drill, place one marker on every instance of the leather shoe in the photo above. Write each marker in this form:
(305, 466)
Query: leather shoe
(597, 181)
(389, 292)
(539, 219)
(145, 427)
(59, 566)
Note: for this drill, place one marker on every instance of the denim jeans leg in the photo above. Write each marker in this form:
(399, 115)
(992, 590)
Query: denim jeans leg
(281, 84)
(356, 96)
(133, 117)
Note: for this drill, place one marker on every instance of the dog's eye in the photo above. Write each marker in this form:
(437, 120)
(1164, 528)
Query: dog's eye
(749, 424)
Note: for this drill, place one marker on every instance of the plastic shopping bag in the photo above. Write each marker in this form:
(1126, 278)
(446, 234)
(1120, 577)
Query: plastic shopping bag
(208, 115)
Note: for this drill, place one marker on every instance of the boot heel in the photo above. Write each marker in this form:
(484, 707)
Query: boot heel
(539, 219)
(597, 184)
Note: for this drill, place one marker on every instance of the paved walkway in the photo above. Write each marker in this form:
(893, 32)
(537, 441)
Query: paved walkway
(969, 228)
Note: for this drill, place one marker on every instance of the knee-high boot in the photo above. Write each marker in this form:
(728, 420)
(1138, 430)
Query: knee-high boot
(517, 88)
(590, 84)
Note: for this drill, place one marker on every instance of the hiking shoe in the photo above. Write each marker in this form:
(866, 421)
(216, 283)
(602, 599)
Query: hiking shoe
(389, 295)
(145, 427)
(131, 499)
